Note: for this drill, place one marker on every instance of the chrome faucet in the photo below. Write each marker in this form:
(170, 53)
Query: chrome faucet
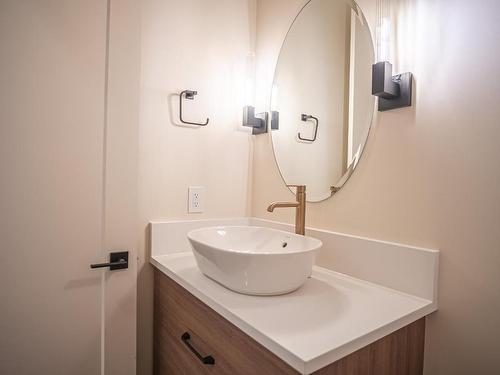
(300, 208)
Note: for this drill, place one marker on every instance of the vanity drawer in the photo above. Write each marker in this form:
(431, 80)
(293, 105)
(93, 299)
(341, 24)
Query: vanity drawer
(178, 312)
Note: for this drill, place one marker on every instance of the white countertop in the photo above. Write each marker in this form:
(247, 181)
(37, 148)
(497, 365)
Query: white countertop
(331, 316)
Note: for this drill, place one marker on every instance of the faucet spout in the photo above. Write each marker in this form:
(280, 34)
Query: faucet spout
(274, 205)
(300, 208)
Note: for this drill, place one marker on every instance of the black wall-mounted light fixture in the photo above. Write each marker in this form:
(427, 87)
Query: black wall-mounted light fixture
(393, 91)
(259, 122)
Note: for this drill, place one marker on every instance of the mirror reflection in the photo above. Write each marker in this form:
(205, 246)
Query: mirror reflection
(322, 91)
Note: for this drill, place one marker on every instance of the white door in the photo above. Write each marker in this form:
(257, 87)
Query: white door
(61, 205)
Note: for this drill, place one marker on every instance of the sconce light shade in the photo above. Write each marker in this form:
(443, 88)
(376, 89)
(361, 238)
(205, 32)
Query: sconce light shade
(393, 91)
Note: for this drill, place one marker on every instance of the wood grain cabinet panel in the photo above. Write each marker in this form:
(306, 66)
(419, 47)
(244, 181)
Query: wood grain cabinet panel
(176, 311)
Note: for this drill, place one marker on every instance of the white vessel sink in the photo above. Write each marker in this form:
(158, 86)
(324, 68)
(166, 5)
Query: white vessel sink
(254, 260)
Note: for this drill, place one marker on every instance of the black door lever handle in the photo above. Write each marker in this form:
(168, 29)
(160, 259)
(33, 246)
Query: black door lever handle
(117, 261)
(111, 264)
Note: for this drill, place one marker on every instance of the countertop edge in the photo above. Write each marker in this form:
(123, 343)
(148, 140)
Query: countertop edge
(360, 342)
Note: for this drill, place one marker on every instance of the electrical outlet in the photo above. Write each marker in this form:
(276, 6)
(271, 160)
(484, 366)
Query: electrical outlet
(196, 197)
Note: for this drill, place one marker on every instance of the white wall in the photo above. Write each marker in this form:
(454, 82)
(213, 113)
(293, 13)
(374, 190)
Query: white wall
(429, 175)
(204, 46)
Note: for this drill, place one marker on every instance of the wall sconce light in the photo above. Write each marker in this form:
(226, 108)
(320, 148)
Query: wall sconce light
(259, 122)
(393, 91)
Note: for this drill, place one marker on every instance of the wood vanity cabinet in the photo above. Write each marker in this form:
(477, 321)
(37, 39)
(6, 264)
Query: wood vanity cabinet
(177, 312)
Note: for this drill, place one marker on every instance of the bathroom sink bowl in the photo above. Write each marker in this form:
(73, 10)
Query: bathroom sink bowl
(254, 260)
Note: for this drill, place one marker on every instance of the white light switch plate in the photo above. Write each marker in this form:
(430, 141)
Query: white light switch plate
(196, 199)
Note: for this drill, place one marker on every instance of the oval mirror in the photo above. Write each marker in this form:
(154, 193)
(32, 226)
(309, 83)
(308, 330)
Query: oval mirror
(322, 91)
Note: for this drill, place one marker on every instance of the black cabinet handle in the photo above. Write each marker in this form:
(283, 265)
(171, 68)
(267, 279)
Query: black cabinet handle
(208, 360)
(117, 261)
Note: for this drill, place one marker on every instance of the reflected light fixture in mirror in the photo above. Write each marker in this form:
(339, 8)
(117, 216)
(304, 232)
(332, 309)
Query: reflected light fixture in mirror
(323, 71)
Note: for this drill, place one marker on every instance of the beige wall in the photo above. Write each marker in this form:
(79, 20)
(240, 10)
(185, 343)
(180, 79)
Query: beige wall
(204, 46)
(429, 175)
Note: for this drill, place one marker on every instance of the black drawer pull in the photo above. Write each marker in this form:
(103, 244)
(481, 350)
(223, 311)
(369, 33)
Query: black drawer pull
(208, 360)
